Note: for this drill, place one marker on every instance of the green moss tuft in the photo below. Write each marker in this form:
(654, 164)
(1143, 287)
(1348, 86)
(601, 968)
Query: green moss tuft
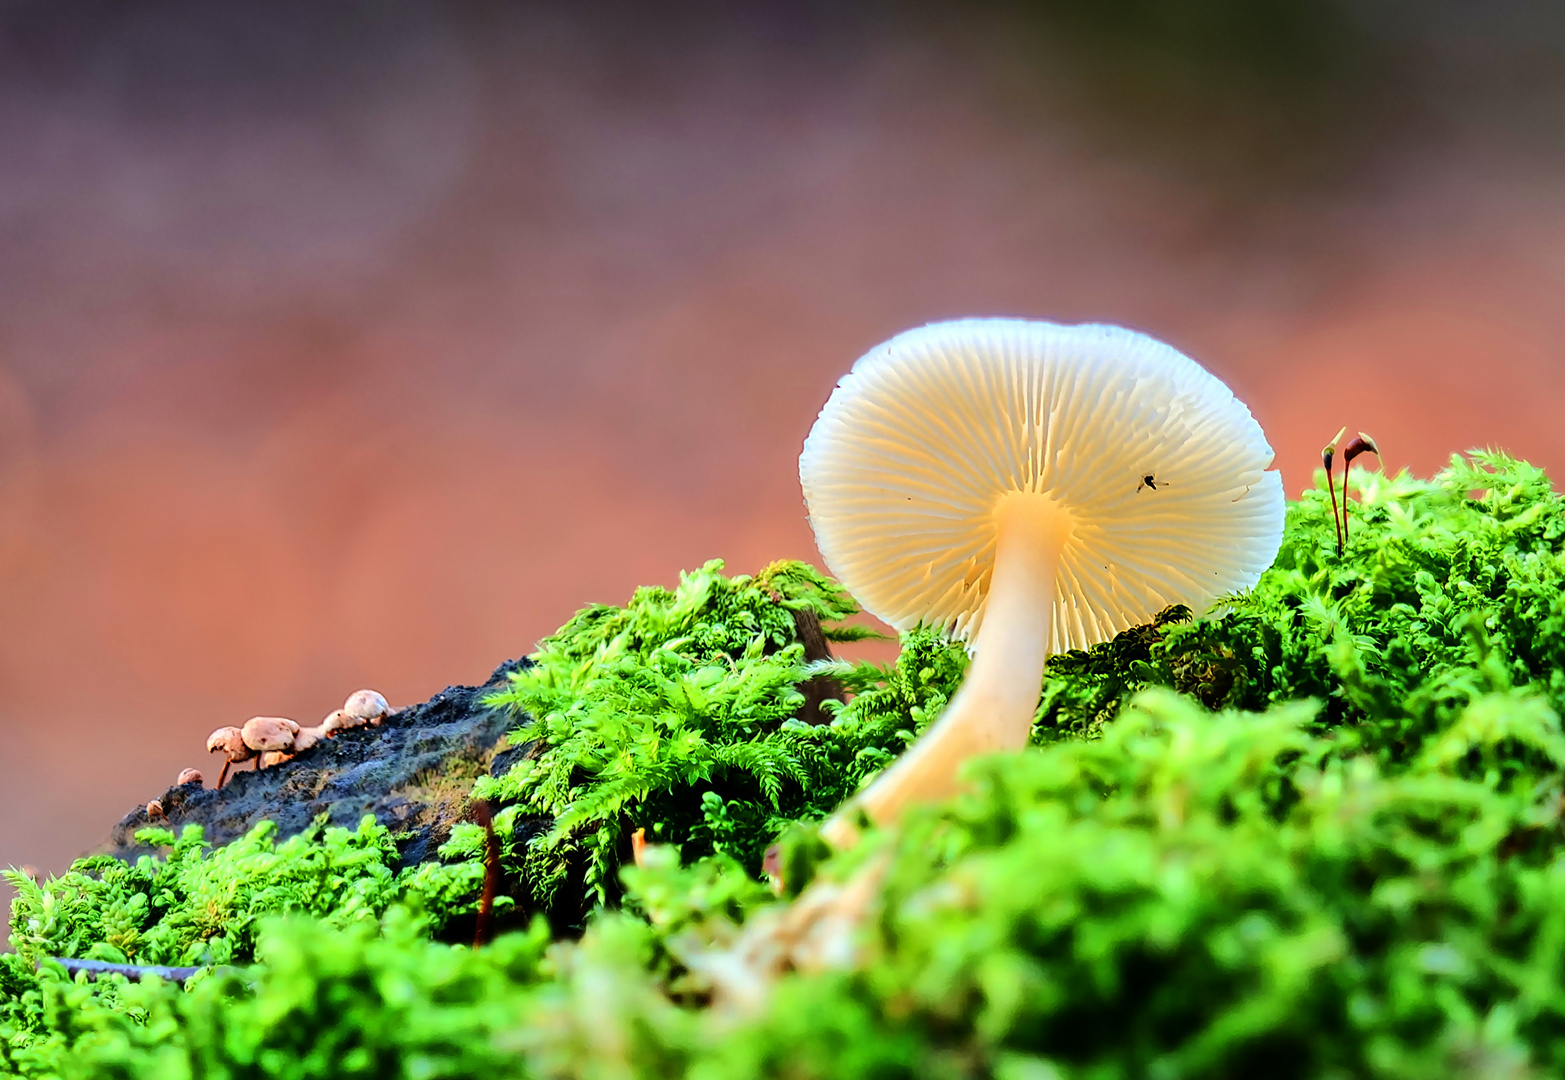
(679, 714)
(1200, 895)
(1451, 589)
(196, 906)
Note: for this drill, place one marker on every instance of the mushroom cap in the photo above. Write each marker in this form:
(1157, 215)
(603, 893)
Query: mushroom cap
(269, 733)
(903, 469)
(189, 776)
(231, 741)
(307, 737)
(366, 705)
(339, 720)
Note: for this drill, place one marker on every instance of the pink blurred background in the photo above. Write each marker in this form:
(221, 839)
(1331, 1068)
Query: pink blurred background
(361, 343)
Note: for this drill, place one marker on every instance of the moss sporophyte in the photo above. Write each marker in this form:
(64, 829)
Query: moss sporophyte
(1311, 827)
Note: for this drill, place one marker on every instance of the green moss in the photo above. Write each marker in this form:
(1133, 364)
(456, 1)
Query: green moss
(366, 1000)
(1451, 588)
(679, 714)
(1217, 895)
(197, 906)
(1354, 867)
(1192, 895)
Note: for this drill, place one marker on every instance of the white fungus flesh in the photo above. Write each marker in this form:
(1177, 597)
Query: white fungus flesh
(1030, 487)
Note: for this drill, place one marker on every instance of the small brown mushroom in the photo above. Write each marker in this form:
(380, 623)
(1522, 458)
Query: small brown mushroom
(269, 735)
(231, 741)
(308, 737)
(155, 810)
(338, 720)
(189, 776)
(367, 705)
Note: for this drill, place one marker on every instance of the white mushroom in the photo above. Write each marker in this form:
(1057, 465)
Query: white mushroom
(367, 705)
(231, 741)
(269, 736)
(1031, 487)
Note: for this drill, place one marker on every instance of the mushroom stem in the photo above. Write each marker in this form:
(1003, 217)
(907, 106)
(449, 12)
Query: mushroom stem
(994, 707)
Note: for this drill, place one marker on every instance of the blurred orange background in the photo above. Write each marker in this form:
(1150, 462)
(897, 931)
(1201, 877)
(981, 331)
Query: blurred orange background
(360, 344)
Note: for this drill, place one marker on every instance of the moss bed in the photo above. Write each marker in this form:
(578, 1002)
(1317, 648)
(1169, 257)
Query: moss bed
(1315, 834)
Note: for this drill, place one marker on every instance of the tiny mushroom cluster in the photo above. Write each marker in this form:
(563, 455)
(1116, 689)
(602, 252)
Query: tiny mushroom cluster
(272, 740)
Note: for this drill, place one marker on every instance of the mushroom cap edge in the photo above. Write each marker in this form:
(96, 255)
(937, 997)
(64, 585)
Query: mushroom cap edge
(903, 466)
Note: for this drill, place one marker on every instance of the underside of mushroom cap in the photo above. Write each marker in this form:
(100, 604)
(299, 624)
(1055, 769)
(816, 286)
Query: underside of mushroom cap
(1162, 473)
